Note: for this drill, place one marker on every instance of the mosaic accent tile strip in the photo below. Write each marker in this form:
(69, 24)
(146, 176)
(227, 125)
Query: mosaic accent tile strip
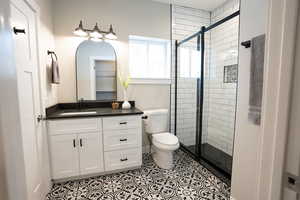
(188, 180)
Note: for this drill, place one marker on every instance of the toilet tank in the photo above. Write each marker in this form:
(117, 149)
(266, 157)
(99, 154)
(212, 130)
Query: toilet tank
(157, 121)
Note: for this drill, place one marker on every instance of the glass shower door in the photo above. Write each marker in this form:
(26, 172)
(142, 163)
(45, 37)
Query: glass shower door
(220, 86)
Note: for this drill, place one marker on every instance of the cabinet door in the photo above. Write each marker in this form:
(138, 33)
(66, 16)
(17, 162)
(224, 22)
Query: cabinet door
(90, 153)
(64, 156)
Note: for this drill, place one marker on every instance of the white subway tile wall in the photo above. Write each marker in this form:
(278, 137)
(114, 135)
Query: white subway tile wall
(219, 98)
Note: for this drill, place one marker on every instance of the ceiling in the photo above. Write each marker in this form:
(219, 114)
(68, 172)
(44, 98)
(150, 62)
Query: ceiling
(208, 5)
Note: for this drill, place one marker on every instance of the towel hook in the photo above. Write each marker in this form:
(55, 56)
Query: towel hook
(246, 44)
(17, 31)
(52, 53)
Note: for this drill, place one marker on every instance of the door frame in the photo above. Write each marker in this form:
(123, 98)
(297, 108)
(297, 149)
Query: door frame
(280, 50)
(93, 60)
(92, 78)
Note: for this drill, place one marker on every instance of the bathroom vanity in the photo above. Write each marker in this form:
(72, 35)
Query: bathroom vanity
(93, 140)
(89, 137)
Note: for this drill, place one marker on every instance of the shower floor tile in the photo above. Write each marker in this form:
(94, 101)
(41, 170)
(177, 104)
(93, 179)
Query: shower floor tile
(188, 180)
(215, 156)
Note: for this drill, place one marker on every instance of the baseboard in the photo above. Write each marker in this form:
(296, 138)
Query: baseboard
(79, 177)
(146, 149)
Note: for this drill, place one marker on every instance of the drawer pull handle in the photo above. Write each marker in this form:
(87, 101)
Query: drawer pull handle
(122, 160)
(74, 143)
(122, 123)
(123, 140)
(80, 141)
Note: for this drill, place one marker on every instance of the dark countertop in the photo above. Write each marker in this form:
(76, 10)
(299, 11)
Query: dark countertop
(55, 112)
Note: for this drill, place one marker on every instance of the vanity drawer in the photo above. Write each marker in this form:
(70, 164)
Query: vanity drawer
(70, 126)
(123, 159)
(122, 139)
(124, 122)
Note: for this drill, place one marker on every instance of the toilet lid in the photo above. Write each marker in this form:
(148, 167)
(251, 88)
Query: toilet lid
(165, 138)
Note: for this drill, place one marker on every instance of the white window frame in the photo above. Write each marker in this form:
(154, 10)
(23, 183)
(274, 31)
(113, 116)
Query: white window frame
(149, 80)
(190, 66)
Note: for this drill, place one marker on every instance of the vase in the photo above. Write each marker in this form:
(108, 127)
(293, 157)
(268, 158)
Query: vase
(126, 104)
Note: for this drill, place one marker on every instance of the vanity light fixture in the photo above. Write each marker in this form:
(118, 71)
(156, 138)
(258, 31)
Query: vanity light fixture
(79, 31)
(111, 35)
(96, 34)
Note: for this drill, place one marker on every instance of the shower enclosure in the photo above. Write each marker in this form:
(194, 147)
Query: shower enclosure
(205, 84)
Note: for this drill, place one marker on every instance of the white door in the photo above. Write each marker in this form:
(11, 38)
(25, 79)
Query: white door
(91, 153)
(64, 156)
(25, 41)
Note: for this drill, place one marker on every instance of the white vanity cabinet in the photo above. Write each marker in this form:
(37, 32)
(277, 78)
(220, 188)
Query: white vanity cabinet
(75, 147)
(84, 146)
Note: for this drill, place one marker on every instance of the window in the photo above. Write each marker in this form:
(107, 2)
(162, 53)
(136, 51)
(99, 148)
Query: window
(190, 63)
(149, 58)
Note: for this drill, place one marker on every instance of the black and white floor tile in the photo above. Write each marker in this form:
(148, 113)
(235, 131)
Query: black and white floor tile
(188, 180)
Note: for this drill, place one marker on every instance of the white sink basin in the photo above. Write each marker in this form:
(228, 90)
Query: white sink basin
(78, 113)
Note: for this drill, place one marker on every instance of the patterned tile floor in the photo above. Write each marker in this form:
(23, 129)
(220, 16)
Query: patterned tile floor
(188, 180)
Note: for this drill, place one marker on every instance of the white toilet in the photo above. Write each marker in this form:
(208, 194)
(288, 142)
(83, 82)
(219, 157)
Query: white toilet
(163, 142)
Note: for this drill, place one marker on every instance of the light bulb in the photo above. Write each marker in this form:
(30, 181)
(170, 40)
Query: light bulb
(96, 39)
(111, 34)
(96, 32)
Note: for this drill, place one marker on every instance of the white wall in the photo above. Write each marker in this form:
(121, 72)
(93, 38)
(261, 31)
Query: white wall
(8, 94)
(253, 21)
(128, 17)
(3, 187)
(49, 91)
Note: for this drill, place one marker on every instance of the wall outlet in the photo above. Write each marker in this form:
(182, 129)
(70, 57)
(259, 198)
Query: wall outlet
(231, 198)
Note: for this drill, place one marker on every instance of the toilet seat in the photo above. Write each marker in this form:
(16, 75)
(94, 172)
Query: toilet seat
(165, 141)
